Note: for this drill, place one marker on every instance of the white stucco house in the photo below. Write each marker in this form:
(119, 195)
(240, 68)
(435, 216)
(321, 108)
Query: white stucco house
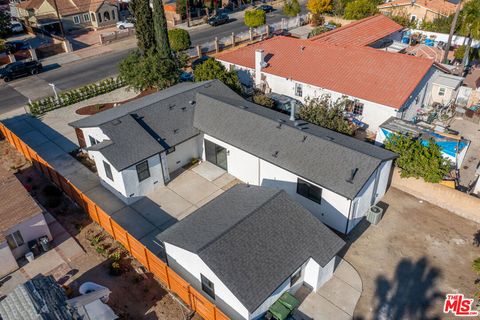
(248, 246)
(346, 63)
(138, 145)
(21, 221)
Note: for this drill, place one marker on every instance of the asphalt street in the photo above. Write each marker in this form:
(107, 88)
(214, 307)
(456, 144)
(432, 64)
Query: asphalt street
(16, 93)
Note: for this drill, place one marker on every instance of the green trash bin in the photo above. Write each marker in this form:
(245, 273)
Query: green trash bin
(279, 311)
(289, 301)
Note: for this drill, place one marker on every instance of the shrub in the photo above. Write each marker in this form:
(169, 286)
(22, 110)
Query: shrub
(115, 256)
(263, 100)
(115, 269)
(316, 31)
(317, 20)
(100, 249)
(212, 69)
(292, 8)
(66, 98)
(255, 18)
(360, 9)
(179, 39)
(319, 6)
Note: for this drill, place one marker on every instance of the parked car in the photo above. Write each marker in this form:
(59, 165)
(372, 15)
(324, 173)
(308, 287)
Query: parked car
(284, 103)
(15, 45)
(219, 19)
(17, 27)
(265, 7)
(199, 61)
(127, 23)
(20, 68)
(328, 26)
(186, 76)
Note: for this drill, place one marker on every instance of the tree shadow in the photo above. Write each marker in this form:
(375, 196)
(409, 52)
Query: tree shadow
(411, 294)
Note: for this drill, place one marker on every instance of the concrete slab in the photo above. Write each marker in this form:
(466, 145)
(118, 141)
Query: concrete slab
(152, 212)
(316, 307)
(187, 212)
(34, 138)
(224, 180)
(49, 151)
(133, 222)
(70, 249)
(153, 244)
(341, 294)
(65, 144)
(20, 128)
(209, 198)
(105, 199)
(192, 187)
(345, 272)
(169, 201)
(43, 264)
(208, 170)
(83, 179)
(10, 282)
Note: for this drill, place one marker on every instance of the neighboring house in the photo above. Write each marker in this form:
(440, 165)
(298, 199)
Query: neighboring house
(21, 220)
(43, 298)
(138, 145)
(74, 14)
(454, 148)
(419, 10)
(249, 245)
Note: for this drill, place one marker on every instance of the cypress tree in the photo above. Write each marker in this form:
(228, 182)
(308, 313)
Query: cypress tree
(160, 27)
(143, 26)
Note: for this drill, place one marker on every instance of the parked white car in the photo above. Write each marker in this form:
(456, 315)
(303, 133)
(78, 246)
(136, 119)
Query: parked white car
(125, 24)
(16, 26)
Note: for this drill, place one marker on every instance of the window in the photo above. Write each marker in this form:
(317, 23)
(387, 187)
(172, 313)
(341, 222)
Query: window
(86, 17)
(143, 172)
(108, 170)
(413, 18)
(93, 141)
(207, 286)
(93, 16)
(441, 91)
(15, 240)
(113, 14)
(358, 108)
(295, 277)
(170, 150)
(309, 191)
(106, 16)
(99, 17)
(298, 89)
(76, 19)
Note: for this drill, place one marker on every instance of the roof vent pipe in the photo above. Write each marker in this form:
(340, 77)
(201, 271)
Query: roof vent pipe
(292, 112)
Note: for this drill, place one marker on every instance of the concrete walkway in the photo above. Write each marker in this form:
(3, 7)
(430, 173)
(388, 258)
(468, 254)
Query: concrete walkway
(336, 299)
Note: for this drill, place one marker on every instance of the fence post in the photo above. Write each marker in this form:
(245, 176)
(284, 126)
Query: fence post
(12, 58)
(250, 31)
(283, 23)
(33, 54)
(199, 51)
(217, 47)
(233, 39)
(267, 30)
(100, 38)
(298, 19)
(67, 46)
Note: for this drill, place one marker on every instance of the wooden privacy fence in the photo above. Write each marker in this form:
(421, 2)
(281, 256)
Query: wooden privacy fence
(155, 265)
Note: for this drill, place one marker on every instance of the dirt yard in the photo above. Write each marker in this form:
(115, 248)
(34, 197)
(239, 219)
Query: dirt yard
(416, 255)
(135, 293)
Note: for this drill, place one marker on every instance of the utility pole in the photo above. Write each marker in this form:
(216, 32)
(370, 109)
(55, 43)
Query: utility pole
(187, 7)
(59, 19)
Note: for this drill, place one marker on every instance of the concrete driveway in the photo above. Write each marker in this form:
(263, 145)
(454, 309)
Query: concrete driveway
(336, 299)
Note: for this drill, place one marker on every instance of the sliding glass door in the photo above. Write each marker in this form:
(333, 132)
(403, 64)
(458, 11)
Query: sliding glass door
(216, 154)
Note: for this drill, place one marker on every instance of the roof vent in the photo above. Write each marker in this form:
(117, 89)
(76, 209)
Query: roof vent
(171, 106)
(330, 138)
(116, 122)
(207, 85)
(302, 48)
(184, 108)
(352, 176)
(279, 126)
(275, 154)
(243, 107)
(304, 138)
(281, 120)
(175, 131)
(192, 102)
(263, 64)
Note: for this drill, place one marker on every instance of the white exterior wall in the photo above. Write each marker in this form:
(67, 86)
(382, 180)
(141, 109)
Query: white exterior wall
(334, 208)
(184, 153)
(193, 264)
(30, 229)
(448, 95)
(117, 186)
(8, 263)
(95, 133)
(135, 189)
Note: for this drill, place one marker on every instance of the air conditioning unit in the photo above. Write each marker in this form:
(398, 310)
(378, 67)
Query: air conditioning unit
(374, 215)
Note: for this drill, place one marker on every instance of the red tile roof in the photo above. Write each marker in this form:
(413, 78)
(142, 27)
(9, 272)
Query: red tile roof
(362, 72)
(360, 33)
(67, 7)
(442, 7)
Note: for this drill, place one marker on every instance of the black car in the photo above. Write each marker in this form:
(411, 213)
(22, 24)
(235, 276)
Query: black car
(218, 19)
(20, 68)
(199, 61)
(265, 7)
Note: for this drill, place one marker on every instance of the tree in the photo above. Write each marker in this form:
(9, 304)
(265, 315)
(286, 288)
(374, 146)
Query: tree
(292, 8)
(179, 39)
(5, 24)
(418, 158)
(261, 99)
(160, 27)
(212, 69)
(317, 7)
(470, 26)
(339, 7)
(360, 9)
(181, 7)
(255, 18)
(326, 113)
(403, 20)
(143, 25)
(152, 70)
(439, 24)
(452, 30)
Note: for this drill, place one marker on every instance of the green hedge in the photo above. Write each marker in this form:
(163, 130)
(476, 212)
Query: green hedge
(255, 18)
(67, 98)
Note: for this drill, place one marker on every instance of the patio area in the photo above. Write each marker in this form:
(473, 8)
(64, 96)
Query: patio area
(336, 299)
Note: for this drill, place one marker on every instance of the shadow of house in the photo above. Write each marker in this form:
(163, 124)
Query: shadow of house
(410, 294)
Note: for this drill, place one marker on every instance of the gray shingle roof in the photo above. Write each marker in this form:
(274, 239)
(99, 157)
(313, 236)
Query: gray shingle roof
(320, 155)
(253, 238)
(39, 298)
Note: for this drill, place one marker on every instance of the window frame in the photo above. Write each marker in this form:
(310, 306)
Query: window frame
(307, 193)
(207, 286)
(146, 169)
(358, 104)
(108, 170)
(16, 239)
(442, 91)
(295, 277)
(92, 140)
(297, 86)
(170, 150)
(86, 17)
(75, 18)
